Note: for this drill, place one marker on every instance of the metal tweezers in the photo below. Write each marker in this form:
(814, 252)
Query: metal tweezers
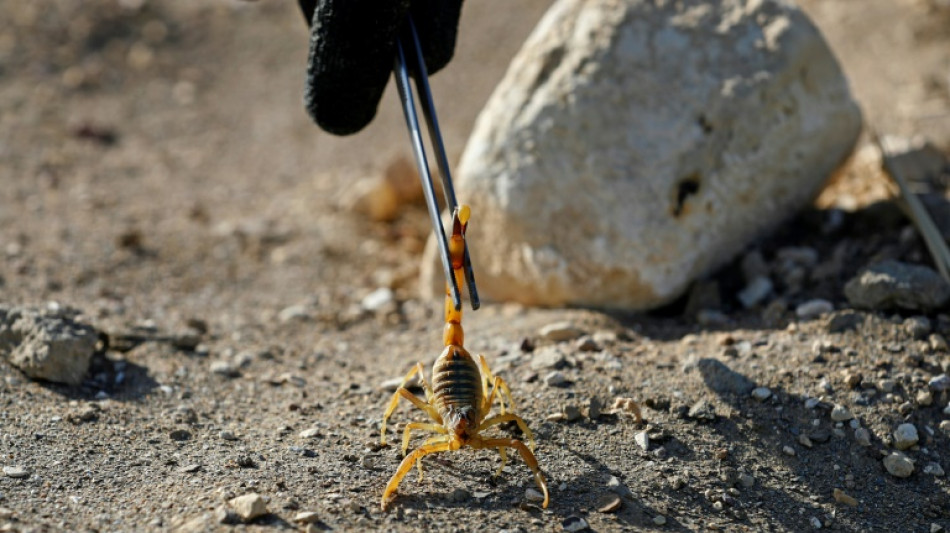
(408, 43)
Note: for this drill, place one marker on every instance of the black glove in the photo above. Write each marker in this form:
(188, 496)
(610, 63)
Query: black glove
(352, 48)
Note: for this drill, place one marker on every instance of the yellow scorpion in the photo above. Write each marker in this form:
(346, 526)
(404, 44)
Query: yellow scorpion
(459, 400)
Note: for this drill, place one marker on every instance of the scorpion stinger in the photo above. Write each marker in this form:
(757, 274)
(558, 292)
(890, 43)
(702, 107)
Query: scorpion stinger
(462, 394)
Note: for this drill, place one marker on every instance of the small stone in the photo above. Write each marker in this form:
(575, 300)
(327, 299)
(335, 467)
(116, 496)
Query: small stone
(891, 284)
(804, 440)
(702, 410)
(659, 520)
(555, 378)
(573, 524)
(886, 385)
(862, 436)
(899, 465)
(905, 408)
(616, 486)
(945, 424)
(755, 292)
(224, 368)
(840, 413)
(935, 527)
(925, 398)
(47, 344)
(938, 343)
(306, 517)
(761, 393)
(746, 480)
(458, 495)
(852, 379)
(179, 435)
(917, 327)
(811, 403)
(844, 321)
(16, 472)
(820, 435)
(587, 344)
(6, 514)
(939, 383)
(843, 497)
(190, 469)
(722, 379)
(594, 408)
(815, 522)
(223, 515)
(390, 385)
(572, 413)
(642, 440)
(788, 450)
(549, 357)
(905, 436)
(934, 469)
(293, 313)
(378, 300)
(561, 332)
(309, 433)
(249, 506)
(227, 435)
(533, 495)
(813, 309)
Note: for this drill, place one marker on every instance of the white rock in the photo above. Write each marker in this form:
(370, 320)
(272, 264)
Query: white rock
(643, 440)
(905, 436)
(555, 379)
(813, 309)
(618, 159)
(899, 465)
(16, 472)
(840, 413)
(249, 506)
(761, 393)
(378, 299)
(561, 332)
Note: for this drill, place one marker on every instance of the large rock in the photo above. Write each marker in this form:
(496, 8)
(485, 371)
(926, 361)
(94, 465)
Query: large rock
(47, 344)
(892, 284)
(634, 145)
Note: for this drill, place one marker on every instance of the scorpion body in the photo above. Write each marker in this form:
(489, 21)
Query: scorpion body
(462, 393)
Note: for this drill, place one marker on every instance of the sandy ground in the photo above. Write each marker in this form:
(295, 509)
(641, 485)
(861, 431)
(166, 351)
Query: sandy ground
(161, 178)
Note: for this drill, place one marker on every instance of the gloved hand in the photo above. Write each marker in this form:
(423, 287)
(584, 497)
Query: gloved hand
(352, 48)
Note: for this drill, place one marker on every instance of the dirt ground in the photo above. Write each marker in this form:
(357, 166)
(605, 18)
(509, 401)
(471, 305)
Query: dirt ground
(160, 177)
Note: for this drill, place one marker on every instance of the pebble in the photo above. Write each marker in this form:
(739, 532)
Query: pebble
(306, 517)
(840, 413)
(925, 398)
(755, 292)
(549, 357)
(642, 440)
(6, 514)
(812, 403)
(853, 379)
(722, 379)
(702, 410)
(224, 368)
(761, 393)
(905, 436)
(309, 433)
(845, 498)
(934, 469)
(891, 284)
(561, 332)
(249, 506)
(887, 385)
(533, 495)
(815, 522)
(227, 435)
(572, 413)
(573, 524)
(935, 527)
(899, 465)
(813, 309)
(938, 343)
(939, 383)
(378, 300)
(746, 480)
(587, 344)
(594, 408)
(918, 326)
(179, 435)
(16, 472)
(862, 436)
(190, 469)
(555, 379)
(905, 408)
(788, 450)
(804, 440)
(458, 495)
(945, 425)
(293, 313)
(659, 520)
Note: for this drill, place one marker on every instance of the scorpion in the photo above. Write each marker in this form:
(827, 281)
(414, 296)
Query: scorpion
(459, 399)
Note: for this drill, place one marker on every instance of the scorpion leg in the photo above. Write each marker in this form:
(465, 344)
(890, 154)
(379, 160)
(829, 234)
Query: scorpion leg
(526, 454)
(402, 391)
(406, 466)
(498, 386)
(508, 417)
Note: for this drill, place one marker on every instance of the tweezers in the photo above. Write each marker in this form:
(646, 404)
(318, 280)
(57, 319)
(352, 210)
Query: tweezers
(408, 46)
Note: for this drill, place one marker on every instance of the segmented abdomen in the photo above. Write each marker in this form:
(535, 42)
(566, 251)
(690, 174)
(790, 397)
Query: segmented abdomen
(456, 381)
